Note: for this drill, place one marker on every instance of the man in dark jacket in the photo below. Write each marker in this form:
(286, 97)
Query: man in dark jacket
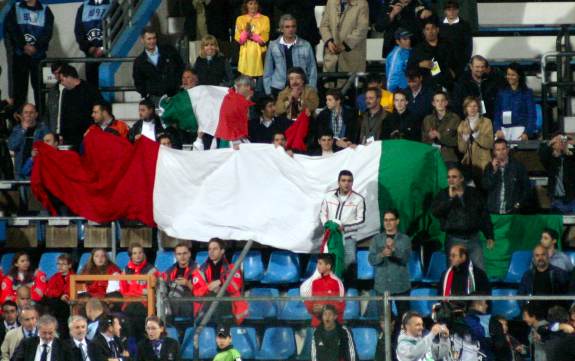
(28, 28)
(78, 345)
(89, 34)
(149, 125)
(419, 95)
(158, 69)
(506, 182)
(462, 278)
(462, 216)
(46, 343)
(543, 279)
(9, 318)
(559, 162)
(458, 34)
(106, 344)
(304, 12)
(261, 129)
(332, 341)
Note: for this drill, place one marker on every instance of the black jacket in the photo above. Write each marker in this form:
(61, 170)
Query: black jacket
(516, 183)
(552, 165)
(74, 353)
(137, 129)
(99, 350)
(162, 79)
(258, 133)
(501, 347)
(76, 111)
(323, 122)
(559, 281)
(170, 351)
(486, 91)
(402, 126)
(325, 348)
(217, 71)
(442, 54)
(17, 38)
(460, 279)
(420, 106)
(26, 351)
(459, 37)
(462, 216)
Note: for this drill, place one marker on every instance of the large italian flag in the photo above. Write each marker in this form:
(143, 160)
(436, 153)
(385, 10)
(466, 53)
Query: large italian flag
(257, 192)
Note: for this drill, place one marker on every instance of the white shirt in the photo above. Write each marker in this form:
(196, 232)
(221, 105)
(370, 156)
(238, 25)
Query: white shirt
(10, 327)
(149, 130)
(456, 21)
(60, 90)
(289, 45)
(40, 349)
(84, 348)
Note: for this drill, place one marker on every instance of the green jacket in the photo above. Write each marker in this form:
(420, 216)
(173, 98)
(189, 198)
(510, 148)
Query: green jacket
(228, 354)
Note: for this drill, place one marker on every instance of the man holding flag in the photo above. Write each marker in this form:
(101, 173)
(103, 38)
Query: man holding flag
(342, 213)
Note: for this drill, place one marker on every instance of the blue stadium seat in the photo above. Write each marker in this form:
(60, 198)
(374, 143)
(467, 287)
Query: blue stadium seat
(278, 343)
(201, 257)
(371, 313)
(48, 263)
(571, 257)
(207, 344)
(259, 310)
(352, 308)
(164, 260)
(538, 117)
(305, 353)
(520, 262)
(173, 333)
(437, 265)
(365, 339)
(253, 266)
(415, 268)
(83, 260)
(423, 307)
(509, 309)
(310, 267)
(294, 310)
(283, 267)
(364, 269)
(245, 341)
(122, 259)
(7, 262)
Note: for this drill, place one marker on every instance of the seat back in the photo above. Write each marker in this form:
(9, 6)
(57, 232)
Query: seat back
(278, 343)
(437, 265)
(48, 262)
(207, 342)
(245, 341)
(283, 268)
(83, 260)
(423, 307)
(352, 308)
(122, 259)
(365, 339)
(415, 268)
(253, 266)
(310, 267)
(364, 269)
(164, 260)
(259, 310)
(293, 310)
(6, 262)
(509, 309)
(173, 333)
(201, 257)
(520, 262)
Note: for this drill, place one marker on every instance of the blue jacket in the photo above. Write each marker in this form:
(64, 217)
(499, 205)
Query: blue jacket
(17, 141)
(275, 65)
(88, 27)
(395, 67)
(29, 26)
(522, 108)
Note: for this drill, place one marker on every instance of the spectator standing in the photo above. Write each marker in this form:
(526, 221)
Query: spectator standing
(396, 61)
(45, 344)
(286, 52)
(297, 96)
(468, 11)
(462, 278)
(462, 215)
(395, 14)
(375, 81)
(78, 345)
(440, 128)
(343, 29)
(456, 32)
(24, 135)
(226, 351)
(515, 117)
(373, 118)
(211, 67)
(402, 123)
(475, 139)
(543, 279)
(28, 319)
(78, 99)
(323, 283)
(210, 277)
(158, 69)
(419, 95)
(558, 160)
(263, 128)
(233, 121)
(156, 346)
(100, 264)
(106, 344)
(413, 345)
(252, 33)
(350, 217)
(480, 82)
(535, 320)
(90, 35)
(9, 318)
(557, 258)
(58, 292)
(28, 27)
(389, 254)
(506, 182)
(22, 274)
(54, 102)
(149, 125)
(332, 341)
(433, 56)
(179, 281)
(304, 12)
(341, 120)
(105, 120)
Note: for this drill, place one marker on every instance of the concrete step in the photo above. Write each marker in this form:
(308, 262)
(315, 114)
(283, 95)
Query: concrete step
(126, 111)
(132, 97)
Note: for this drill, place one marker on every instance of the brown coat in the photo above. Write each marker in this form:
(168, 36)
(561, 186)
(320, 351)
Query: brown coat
(309, 100)
(347, 29)
(372, 127)
(447, 128)
(477, 154)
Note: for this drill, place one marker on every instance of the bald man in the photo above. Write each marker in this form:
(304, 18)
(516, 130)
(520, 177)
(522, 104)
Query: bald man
(462, 278)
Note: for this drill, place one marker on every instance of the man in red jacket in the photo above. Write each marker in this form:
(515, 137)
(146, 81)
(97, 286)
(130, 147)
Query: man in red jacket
(233, 122)
(57, 292)
(208, 279)
(323, 283)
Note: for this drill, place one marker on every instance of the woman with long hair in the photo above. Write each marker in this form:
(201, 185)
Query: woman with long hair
(211, 67)
(22, 274)
(100, 264)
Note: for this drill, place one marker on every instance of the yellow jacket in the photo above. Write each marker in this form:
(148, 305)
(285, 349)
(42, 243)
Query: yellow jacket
(386, 100)
(251, 60)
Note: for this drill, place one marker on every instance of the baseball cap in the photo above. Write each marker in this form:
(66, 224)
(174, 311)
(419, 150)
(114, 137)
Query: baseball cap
(402, 33)
(223, 331)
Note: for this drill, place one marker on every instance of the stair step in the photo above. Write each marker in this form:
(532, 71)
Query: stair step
(132, 97)
(125, 111)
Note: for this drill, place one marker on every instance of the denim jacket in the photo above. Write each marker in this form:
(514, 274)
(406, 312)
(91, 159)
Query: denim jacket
(275, 64)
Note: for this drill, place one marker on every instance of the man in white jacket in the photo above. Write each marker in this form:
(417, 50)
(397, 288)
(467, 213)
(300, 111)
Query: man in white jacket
(346, 208)
(413, 346)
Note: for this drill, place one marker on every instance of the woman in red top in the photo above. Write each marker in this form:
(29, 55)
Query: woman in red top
(100, 264)
(21, 274)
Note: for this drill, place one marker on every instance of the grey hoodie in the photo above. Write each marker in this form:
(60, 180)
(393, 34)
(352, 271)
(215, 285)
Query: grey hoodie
(421, 348)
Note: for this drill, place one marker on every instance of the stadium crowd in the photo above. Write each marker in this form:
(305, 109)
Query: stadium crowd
(434, 91)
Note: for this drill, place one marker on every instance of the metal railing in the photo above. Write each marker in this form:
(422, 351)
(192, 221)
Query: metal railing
(564, 85)
(116, 20)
